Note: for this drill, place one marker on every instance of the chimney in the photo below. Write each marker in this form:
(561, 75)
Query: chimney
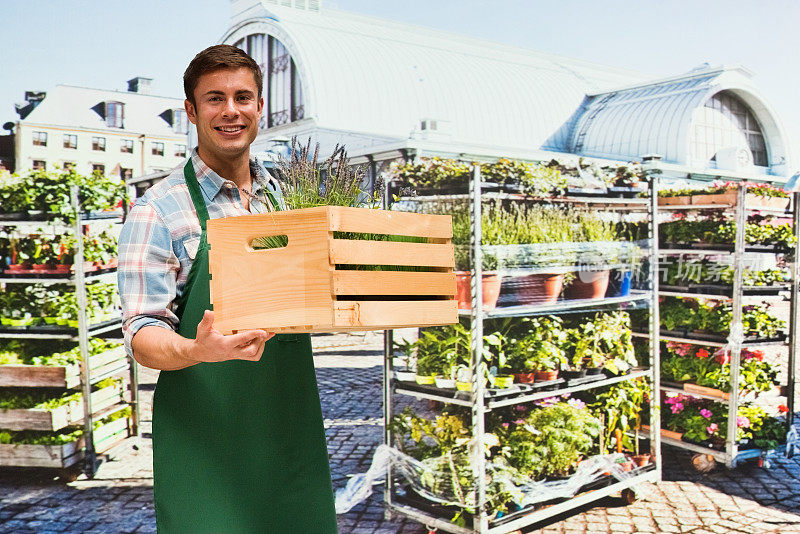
(32, 99)
(139, 85)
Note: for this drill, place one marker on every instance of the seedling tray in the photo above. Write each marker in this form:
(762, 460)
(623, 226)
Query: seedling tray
(322, 282)
(62, 376)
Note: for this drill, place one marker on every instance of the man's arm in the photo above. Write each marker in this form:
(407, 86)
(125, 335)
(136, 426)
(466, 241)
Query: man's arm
(160, 348)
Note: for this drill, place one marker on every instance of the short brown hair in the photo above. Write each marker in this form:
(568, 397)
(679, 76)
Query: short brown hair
(219, 57)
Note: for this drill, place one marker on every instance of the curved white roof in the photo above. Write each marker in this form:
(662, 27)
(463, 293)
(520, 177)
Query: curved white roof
(656, 118)
(351, 65)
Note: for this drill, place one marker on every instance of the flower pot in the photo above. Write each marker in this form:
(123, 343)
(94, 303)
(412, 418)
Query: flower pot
(405, 376)
(542, 288)
(503, 381)
(626, 466)
(63, 268)
(544, 376)
(592, 371)
(39, 267)
(15, 267)
(425, 380)
(5, 321)
(61, 321)
(571, 374)
(641, 460)
(50, 320)
(619, 284)
(445, 382)
(589, 285)
(464, 386)
(72, 323)
(491, 290)
(524, 378)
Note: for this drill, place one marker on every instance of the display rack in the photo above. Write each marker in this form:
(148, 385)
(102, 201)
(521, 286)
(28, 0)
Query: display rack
(481, 400)
(95, 405)
(736, 294)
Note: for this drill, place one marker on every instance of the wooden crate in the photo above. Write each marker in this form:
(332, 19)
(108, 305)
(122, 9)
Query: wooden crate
(674, 201)
(731, 198)
(61, 456)
(302, 287)
(62, 376)
(69, 414)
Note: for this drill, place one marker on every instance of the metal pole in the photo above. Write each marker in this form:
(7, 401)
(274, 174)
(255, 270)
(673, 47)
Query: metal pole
(477, 454)
(83, 339)
(736, 336)
(655, 329)
(388, 386)
(794, 324)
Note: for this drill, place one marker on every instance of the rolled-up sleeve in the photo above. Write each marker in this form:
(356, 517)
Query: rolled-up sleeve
(147, 274)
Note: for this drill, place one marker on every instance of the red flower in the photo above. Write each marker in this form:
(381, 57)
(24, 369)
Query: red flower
(783, 408)
(722, 357)
(702, 353)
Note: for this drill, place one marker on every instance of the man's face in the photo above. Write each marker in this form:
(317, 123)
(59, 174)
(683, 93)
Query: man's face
(226, 113)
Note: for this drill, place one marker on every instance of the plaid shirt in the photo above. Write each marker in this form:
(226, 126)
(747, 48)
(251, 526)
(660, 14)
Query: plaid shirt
(160, 238)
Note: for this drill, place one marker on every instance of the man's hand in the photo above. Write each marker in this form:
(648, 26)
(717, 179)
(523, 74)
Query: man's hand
(211, 346)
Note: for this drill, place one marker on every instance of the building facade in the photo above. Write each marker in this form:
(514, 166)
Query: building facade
(119, 133)
(376, 85)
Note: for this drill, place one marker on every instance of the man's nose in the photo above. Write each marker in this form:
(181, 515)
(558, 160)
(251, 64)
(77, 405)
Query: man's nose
(230, 109)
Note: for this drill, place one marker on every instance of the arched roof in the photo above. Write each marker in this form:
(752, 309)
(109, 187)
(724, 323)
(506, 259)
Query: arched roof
(656, 118)
(369, 75)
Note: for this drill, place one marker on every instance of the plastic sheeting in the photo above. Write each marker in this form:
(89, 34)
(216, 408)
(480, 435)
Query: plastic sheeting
(448, 479)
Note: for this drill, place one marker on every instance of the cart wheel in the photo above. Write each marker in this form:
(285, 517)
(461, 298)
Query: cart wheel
(629, 496)
(703, 463)
(69, 474)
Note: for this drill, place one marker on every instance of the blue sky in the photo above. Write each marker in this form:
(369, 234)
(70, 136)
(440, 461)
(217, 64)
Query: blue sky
(103, 43)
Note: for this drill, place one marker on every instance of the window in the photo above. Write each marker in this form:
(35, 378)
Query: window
(180, 151)
(180, 122)
(98, 167)
(39, 164)
(115, 112)
(99, 143)
(69, 165)
(284, 91)
(126, 146)
(125, 174)
(39, 138)
(726, 121)
(157, 149)
(70, 141)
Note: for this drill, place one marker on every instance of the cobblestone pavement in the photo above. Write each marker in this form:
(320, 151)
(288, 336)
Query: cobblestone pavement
(748, 499)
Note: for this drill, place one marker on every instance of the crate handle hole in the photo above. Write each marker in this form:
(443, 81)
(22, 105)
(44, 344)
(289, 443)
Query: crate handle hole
(268, 242)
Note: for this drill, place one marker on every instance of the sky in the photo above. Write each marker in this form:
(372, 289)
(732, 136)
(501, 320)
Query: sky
(103, 43)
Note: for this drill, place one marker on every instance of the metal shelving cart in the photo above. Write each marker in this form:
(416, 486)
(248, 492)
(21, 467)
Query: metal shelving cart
(92, 369)
(481, 401)
(735, 294)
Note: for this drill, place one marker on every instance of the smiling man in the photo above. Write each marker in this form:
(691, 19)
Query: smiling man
(238, 441)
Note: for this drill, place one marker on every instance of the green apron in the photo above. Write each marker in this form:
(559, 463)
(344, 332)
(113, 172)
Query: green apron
(239, 446)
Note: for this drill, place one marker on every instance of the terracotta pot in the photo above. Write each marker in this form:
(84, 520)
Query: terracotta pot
(491, 290)
(544, 376)
(542, 288)
(589, 285)
(524, 378)
(63, 268)
(626, 466)
(641, 460)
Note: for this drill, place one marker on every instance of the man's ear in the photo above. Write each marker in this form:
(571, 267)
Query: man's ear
(190, 112)
(260, 105)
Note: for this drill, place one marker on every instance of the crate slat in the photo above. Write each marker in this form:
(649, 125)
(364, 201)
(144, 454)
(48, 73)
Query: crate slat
(56, 376)
(393, 283)
(394, 314)
(353, 252)
(390, 222)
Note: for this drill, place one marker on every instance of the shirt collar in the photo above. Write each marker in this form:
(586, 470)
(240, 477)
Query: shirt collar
(211, 183)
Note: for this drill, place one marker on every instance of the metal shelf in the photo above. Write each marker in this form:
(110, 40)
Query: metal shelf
(775, 290)
(106, 276)
(33, 333)
(696, 341)
(561, 306)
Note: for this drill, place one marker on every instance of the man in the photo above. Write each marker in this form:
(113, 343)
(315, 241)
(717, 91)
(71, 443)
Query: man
(238, 442)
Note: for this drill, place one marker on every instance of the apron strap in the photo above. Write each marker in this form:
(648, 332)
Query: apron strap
(196, 194)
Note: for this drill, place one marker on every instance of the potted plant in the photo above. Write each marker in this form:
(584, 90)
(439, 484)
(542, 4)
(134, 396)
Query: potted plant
(490, 279)
(600, 249)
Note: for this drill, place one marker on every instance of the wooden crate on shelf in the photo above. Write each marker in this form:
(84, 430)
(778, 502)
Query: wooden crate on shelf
(65, 455)
(58, 376)
(58, 418)
(752, 200)
(310, 285)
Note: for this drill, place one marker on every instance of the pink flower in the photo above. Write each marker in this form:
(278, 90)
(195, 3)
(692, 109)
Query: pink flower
(519, 422)
(520, 407)
(677, 407)
(577, 403)
(712, 428)
(505, 425)
(705, 413)
(743, 421)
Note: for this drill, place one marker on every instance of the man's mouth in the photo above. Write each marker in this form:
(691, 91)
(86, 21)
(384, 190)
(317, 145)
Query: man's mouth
(229, 129)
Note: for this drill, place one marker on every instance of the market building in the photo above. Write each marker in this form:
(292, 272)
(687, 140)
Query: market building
(388, 90)
(120, 133)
